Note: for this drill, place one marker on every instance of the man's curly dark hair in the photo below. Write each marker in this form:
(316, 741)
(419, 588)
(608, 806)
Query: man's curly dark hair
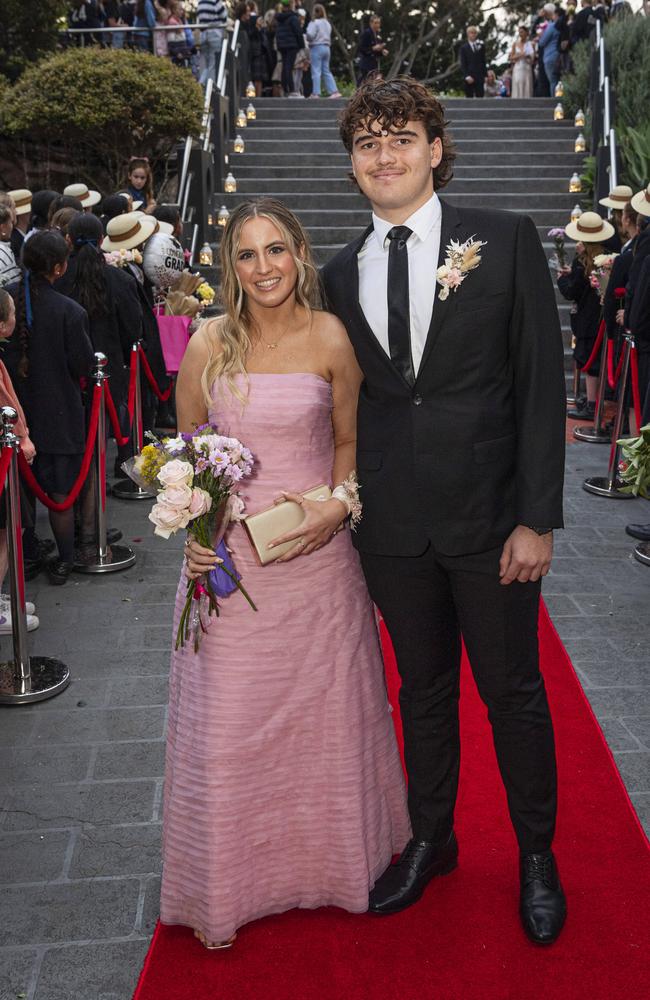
(390, 104)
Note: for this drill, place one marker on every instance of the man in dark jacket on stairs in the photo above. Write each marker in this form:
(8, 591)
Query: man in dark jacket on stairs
(289, 39)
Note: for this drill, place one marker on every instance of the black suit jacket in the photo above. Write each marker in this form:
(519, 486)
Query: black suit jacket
(640, 313)
(641, 251)
(472, 63)
(476, 446)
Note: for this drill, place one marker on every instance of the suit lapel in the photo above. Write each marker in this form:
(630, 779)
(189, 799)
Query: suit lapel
(442, 308)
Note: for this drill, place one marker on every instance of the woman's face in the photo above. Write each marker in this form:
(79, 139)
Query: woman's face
(264, 264)
(523, 34)
(7, 327)
(138, 178)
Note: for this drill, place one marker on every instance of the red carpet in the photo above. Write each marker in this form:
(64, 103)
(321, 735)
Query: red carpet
(462, 941)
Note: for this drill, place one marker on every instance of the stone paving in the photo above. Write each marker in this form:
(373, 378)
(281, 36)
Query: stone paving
(81, 775)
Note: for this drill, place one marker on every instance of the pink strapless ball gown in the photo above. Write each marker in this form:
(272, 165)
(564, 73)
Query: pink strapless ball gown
(283, 780)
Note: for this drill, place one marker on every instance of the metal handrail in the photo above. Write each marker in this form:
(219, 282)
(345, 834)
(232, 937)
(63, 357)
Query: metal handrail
(221, 73)
(609, 132)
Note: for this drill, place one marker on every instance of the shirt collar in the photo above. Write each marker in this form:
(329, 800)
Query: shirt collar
(421, 222)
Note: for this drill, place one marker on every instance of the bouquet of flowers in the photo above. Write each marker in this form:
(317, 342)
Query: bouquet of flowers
(195, 478)
(183, 299)
(120, 258)
(205, 293)
(600, 275)
(634, 469)
(558, 259)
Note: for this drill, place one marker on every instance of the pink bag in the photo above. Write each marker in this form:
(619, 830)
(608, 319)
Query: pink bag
(174, 338)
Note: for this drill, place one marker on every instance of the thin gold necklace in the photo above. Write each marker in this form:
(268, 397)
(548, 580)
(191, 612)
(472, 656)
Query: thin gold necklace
(272, 346)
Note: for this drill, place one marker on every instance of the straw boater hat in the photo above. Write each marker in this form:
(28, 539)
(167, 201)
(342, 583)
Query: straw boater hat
(618, 197)
(589, 228)
(127, 231)
(22, 200)
(134, 204)
(159, 227)
(640, 202)
(86, 197)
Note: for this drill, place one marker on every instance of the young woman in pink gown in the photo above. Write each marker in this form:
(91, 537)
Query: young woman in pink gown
(283, 781)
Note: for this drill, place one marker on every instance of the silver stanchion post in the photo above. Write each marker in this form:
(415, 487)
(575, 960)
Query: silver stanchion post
(597, 434)
(610, 485)
(108, 558)
(126, 489)
(25, 678)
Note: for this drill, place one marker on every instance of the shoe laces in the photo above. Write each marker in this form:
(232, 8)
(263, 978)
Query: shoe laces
(539, 868)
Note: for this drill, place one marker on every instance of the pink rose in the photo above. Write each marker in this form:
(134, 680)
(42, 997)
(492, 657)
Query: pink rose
(177, 495)
(200, 502)
(175, 472)
(167, 520)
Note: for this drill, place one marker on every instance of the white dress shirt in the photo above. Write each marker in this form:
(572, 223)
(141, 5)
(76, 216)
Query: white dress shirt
(423, 247)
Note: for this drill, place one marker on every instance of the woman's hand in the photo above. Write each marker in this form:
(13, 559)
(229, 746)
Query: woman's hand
(620, 317)
(322, 518)
(28, 449)
(198, 559)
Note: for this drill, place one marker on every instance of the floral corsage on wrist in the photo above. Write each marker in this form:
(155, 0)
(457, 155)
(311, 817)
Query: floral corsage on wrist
(348, 493)
(460, 259)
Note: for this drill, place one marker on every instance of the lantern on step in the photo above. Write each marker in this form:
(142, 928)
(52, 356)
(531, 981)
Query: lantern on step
(240, 120)
(250, 89)
(251, 113)
(223, 216)
(580, 144)
(579, 120)
(230, 184)
(559, 89)
(576, 212)
(210, 219)
(238, 145)
(558, 114)
(205, 255)
(575, 184)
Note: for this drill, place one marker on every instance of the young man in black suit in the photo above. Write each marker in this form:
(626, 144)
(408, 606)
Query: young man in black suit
(472, 63)
(460, 455)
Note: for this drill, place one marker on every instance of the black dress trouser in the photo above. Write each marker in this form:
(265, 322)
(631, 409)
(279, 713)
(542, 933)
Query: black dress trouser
(426, 603)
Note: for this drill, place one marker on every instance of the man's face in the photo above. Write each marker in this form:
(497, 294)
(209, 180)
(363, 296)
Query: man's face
(393, 167)
(472, 35)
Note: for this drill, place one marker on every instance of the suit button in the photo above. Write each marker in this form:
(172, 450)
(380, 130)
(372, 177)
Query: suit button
(417, 400)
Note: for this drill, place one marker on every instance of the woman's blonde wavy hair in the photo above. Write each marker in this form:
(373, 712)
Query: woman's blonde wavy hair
(230, 335)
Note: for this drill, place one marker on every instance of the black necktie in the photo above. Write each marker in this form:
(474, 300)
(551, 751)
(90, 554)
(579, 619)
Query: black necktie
(399, 317)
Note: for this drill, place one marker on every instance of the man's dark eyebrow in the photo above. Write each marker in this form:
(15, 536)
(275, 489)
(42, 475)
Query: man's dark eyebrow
(370, 135)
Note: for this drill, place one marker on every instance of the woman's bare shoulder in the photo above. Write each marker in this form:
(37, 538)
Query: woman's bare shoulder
(206, 342)
(329, 329)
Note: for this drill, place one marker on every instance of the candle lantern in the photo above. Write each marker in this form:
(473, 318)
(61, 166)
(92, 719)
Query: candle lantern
(205, 255)
(251, 113)
(223, 216)
(238, 145)
(240, 120)
(230, 185)
(580, 144)
(576, 212)
(575, 184)
(250, 89)
(579, 120)
(558, 114)
(559, 89)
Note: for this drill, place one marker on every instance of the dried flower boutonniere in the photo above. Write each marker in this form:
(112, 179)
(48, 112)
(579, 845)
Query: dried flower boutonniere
(461, 258)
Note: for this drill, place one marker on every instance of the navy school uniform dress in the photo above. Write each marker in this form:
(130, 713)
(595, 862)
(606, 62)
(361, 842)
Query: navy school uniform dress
(60, 354)
(576, 288)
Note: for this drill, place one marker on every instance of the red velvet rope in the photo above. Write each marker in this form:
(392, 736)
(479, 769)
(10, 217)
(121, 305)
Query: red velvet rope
(28, 475)
(162, 396)
(5, 462)
(120, 438)
(599, 340)
(636, 396)
(611, 378)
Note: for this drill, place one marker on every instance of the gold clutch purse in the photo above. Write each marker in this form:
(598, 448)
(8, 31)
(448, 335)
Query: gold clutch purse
(268, 524)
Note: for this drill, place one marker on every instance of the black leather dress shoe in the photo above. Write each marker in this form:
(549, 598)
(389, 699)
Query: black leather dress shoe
(113, 535)
(641, 531)
(404, 882)
(586, 412)
(58, 572)
(542, 902)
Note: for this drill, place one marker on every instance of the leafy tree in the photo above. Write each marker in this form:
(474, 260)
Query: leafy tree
(423, 38)
(100, 106)
(27, 31)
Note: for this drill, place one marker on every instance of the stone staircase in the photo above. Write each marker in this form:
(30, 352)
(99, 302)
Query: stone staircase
(511, 155)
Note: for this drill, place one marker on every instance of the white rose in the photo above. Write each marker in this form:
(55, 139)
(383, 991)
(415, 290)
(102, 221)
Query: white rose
(175, 472)
(178, 495)
(200, 502)
(168, 520)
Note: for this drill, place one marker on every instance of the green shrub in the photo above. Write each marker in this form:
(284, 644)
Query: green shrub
(100, 106)
(634, 144)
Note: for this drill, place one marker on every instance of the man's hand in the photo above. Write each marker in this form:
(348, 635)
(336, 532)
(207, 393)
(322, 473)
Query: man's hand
(469, 79)
(526, 556)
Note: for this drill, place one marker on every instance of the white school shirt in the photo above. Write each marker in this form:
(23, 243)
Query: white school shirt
(423, 247)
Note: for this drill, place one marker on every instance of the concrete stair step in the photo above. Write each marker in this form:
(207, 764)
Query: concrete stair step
(459, 185)
(524, 149)
(554, 133)
(241, 167)
(340, 235)
(486, 105)
(320, 114)
(506, 160)
(533, 204)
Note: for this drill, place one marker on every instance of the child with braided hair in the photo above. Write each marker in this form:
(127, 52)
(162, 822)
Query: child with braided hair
(47, 355)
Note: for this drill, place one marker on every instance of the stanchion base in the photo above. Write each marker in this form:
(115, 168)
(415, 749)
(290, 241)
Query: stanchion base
(592, 434)
(126, 489)
(642, 553)
(117, 557)
(600, 487)
(48, 678)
